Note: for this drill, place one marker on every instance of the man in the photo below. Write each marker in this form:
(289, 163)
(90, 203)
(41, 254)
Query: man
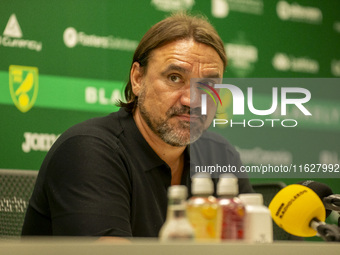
(109, 176)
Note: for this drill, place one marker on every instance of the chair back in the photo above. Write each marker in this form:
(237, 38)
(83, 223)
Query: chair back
(16, 187)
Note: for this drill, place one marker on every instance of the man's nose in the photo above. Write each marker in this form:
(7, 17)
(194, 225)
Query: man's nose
(191, 97)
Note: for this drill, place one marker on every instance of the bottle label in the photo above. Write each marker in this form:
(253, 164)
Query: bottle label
(205, 220)
(232, 223)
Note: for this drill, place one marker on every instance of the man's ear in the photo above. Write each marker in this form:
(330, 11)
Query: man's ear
(136, 78)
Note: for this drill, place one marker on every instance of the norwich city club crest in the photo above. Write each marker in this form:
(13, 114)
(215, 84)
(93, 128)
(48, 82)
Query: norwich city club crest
(23, 85)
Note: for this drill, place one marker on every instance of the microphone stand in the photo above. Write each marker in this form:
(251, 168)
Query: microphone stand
(328, 232)
(332, 202)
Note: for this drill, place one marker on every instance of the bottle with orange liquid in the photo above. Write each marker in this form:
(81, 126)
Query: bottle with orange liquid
(203, 210)
(233, 210)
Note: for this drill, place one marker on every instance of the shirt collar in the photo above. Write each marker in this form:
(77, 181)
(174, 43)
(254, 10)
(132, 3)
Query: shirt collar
(145, 156)
(142, 151)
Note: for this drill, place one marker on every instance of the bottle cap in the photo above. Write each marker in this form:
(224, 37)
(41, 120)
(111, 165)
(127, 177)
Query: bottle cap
(178, 191)
(202, 184)
(227, 185)
(251, 199)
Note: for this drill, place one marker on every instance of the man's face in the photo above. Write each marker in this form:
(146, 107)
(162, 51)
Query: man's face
(163, 91)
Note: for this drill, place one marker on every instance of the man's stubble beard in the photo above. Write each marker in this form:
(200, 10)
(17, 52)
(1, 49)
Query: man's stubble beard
(175, 135)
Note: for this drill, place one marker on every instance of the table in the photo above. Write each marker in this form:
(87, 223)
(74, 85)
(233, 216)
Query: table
(87, 246)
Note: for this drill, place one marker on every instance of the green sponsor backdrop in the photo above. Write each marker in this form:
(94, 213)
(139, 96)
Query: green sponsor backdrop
(83, 50)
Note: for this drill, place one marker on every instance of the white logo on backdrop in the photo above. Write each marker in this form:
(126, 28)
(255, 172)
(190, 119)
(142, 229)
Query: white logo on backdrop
(329, 157)
(12, 36)
(38, 141)
(13, 28)
(174, 5)
(73, 38)
(336, 26)
(298, 13)
(335, 67)
(258, 156)
(283, 62)
(70, 37)
(242, 55)
(101, 96)
(222, 8)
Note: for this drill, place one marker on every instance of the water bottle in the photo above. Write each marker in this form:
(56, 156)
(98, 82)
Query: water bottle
(176, 226)
(258, 221)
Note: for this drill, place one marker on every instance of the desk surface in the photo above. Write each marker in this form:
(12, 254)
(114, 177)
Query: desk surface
(87, 246)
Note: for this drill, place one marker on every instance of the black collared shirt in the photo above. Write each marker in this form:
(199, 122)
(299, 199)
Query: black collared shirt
(101, 178)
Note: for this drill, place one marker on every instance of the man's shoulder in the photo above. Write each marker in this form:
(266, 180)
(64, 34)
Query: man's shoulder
(94, 125)
(106, 128)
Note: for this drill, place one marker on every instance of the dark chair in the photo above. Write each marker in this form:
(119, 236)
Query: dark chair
(269, 190)
(16, 187)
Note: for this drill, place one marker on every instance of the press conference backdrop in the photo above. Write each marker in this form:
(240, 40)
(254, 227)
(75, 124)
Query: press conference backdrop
(66, 61)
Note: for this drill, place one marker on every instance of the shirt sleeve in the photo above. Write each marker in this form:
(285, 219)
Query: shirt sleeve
(88, 189)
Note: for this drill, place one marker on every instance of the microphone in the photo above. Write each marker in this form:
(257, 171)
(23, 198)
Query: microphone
(331, 201)
(299, 211)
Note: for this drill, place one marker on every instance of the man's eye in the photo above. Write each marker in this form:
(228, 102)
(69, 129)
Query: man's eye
(175, 78)
(207, 82)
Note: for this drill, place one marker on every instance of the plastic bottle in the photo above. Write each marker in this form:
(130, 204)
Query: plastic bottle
(176, 226)
(233, 210)
(203, 210)
(258, 221)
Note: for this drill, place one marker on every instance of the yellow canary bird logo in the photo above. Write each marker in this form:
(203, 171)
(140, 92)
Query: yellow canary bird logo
(23, 84)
